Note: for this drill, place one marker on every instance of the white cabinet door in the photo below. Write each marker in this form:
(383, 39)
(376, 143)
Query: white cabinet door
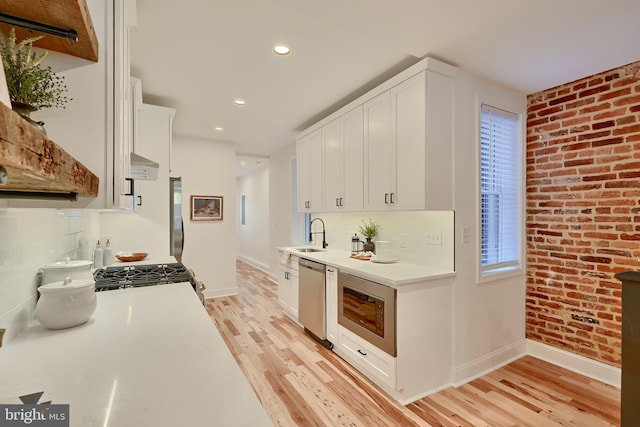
(377, 152)
(303, 154)
(342, 141)
(288, 291)
(408, 101)
(310, 174)
(353, 155)
(153, 141)
(124, 17)
(293, 294)
(333, 165)
(284, 288)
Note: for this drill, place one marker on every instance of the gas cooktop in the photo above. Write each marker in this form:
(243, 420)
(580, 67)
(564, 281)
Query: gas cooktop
(118, 277)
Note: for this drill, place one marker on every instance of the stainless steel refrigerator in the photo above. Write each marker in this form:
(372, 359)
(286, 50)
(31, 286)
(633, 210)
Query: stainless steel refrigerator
(176, 225)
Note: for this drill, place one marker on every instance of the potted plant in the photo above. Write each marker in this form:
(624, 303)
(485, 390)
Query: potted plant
(31, 86)
(369, 229)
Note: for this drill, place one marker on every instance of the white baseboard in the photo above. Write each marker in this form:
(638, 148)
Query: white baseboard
(483, 365)
(254, 263)
(215, 293)
(576, 363)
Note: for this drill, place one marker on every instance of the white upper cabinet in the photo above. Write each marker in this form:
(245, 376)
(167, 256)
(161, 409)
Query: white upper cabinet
(342, 146)
(310, 172)
(124, 18)
(377, 152)
(392, 148)
(409, 145)
(395, 146)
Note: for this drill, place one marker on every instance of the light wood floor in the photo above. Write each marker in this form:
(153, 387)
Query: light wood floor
(302, 384)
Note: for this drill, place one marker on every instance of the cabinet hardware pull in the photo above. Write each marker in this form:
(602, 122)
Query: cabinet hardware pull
(286, 275)
(386, 198)
(130, 193)
(341, 202)
(139, 200)
(362, 352)
(392, 197)
(337, 201)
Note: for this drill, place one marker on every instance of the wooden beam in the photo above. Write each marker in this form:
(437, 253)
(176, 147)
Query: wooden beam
(35, 163)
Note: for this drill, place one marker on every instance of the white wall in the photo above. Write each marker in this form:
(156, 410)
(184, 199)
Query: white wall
(253, 236)
(30, 238)
(207, 168)
(131, 232)
(489, 322)
(286, 227)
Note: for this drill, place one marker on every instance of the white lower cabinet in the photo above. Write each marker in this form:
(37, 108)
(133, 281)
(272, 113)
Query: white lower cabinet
(288, 285)
(424, 325)
(367, 358)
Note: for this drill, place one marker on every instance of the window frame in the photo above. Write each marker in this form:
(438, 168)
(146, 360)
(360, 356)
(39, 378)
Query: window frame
(518, 268)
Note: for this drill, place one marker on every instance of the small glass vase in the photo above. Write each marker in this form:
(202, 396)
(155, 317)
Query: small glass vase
(369, 246)
(25, 111)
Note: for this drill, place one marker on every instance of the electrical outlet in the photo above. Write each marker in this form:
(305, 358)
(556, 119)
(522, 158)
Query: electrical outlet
(465, 234)
(434, 237)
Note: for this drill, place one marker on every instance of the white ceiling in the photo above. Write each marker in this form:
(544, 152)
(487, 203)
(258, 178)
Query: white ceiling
(199, 55)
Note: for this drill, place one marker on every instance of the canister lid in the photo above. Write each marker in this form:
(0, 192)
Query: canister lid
(68, 264)
(68, 285)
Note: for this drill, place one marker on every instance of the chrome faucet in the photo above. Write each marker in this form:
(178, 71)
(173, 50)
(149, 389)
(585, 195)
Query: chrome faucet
(311, 233)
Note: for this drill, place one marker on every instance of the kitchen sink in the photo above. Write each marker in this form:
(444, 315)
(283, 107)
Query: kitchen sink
(310, 250)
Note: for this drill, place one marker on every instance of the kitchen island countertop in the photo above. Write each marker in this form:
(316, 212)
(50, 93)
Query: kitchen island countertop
(148, 356)
(396, 274)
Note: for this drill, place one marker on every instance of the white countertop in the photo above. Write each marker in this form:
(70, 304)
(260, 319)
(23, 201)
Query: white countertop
(393, 274)
(149, 356)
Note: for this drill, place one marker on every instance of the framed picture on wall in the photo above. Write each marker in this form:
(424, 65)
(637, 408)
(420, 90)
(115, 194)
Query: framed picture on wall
(206, 208)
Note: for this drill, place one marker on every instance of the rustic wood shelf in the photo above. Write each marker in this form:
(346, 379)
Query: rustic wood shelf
(34, 163)
(68, 14)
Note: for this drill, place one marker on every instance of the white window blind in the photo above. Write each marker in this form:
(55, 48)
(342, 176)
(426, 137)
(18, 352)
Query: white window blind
(500, 184)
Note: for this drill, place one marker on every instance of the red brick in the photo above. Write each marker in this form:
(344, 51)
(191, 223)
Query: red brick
(614, 94)
(634, 99)
(594, 90)
(563, 99)
(602, 125)
(626, 130)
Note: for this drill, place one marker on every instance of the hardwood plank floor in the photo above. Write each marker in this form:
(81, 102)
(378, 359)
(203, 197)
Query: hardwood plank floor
(301, 383)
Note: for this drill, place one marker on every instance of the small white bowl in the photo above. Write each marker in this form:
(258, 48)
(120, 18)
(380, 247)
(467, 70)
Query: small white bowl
(66, 304)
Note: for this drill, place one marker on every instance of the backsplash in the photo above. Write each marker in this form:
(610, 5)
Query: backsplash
(411, 234)
(30, 238)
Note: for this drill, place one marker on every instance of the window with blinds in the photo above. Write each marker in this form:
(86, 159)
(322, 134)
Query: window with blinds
(500, 186)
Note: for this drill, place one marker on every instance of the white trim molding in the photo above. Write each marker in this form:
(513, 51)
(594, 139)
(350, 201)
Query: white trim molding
(576, 363)
(469, 371)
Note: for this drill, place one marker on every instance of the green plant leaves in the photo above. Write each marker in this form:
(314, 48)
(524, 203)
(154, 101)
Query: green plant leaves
(29, 82)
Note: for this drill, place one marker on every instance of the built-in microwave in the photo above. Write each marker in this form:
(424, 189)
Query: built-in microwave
(368, 309)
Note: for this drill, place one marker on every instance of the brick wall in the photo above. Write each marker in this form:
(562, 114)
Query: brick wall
(583, 210)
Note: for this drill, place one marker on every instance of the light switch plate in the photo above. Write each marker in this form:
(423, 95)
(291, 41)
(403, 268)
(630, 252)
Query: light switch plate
(434, 237)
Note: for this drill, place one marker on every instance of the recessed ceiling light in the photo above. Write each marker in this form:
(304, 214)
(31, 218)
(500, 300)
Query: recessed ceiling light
(219, 128)
(239, 101)
(243, 163)
(281, 49)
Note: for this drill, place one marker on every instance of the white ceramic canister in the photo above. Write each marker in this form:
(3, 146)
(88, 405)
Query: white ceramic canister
(66, 304)
(58, 271)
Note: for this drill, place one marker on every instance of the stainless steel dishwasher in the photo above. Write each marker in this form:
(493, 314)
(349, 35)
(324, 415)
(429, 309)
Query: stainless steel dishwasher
(312, 300)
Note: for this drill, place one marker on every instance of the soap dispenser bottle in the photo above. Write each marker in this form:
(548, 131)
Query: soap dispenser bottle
(97, 256)
(106, 254)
